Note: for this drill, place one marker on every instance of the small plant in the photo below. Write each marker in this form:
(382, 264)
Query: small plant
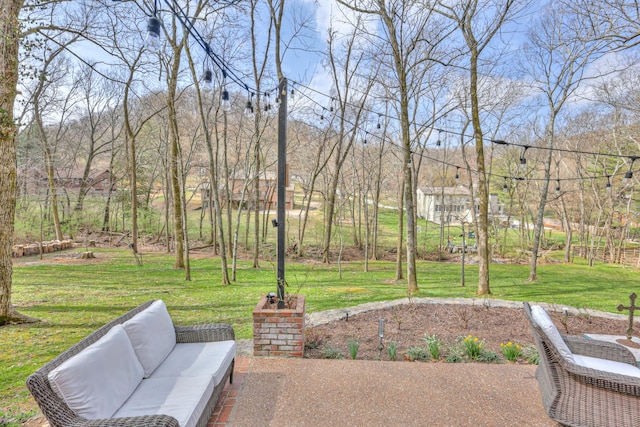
(312, 339)
(565, 319)
(511, 351)
(464, 315)
(416, 353)
(530, 354)
(455, 354)
(354, 345)
(392, 350)
(488, 356)
(396, 315)
(433, 344)
(472, 346)
(330, 352)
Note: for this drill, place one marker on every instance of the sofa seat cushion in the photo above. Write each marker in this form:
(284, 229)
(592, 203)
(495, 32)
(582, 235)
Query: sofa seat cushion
(183, 398)
(196, 359)
(97, 381)
(545, 323)
(605, 365)
(152, 335)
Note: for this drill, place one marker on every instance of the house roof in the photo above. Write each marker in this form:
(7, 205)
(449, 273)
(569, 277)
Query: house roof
(459, 190)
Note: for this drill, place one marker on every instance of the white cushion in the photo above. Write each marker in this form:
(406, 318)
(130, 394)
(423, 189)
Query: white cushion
(183, 398)
(605, 365)
(152, 335)
(197, 359)
(545, 323)
(97, 381)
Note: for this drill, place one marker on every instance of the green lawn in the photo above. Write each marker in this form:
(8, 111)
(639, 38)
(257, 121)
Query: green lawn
(75, 298)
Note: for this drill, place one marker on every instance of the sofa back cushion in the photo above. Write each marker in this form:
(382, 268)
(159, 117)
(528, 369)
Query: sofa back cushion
(542, 319)
(152, 335)
(97, 381)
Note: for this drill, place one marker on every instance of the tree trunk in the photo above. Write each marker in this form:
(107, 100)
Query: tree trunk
(539, 228)
(483, 186)
(9, 45)
(399, 247)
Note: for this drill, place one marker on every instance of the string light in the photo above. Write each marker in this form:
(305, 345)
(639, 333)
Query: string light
(523, 160)
(226, 103)
(152, 41)
(249, 107)
(267, 104)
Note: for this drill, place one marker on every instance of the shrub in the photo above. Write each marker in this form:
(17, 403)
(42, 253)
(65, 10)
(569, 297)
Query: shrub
(417, 353)
(511, 351)
(330, 352)
(392, 350)
(354, 345)
(472, 346)
(433, 344)
(530, 354)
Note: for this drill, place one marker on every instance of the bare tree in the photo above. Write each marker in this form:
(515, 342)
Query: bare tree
(478, 22)
(559, 49)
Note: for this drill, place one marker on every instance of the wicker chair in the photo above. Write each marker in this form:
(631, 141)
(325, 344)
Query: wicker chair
(585, 382)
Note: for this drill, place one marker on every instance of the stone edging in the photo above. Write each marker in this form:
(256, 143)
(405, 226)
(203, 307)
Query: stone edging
(245, 347)
(324, 317)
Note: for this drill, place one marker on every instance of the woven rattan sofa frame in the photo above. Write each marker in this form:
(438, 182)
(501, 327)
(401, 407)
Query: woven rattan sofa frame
(60, 415)
(577, 396)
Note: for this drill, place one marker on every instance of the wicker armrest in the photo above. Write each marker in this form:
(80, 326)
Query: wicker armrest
(141, 421)
(599, 349)
(204, 333)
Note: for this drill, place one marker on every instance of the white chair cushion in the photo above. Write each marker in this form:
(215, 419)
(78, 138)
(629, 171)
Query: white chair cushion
(545, 323)
(184, 398)
(605, 365)
(152, 335)
(97, 381)
(198, 359)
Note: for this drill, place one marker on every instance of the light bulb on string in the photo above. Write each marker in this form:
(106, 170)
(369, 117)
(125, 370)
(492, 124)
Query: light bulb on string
(626, 181)
(523, 159)
(267, 104)
(152, 40)
(208, 79)
(249, 107)
(226, 103)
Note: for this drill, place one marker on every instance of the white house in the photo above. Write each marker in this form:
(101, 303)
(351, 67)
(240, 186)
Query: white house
(450, 203)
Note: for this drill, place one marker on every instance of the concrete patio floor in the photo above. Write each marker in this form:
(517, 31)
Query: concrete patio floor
(311, 392)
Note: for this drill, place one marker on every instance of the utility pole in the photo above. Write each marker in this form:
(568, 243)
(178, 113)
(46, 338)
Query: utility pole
(282, 185)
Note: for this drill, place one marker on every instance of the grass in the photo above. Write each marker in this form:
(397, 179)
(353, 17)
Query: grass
(73, 299)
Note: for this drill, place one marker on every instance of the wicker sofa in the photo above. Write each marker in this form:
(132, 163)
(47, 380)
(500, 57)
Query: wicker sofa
(584, 382)
(138, 370)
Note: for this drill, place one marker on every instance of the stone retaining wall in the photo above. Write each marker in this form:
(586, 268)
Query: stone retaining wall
(47, 247)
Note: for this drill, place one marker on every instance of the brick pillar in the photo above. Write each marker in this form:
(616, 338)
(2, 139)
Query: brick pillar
(279, 333)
